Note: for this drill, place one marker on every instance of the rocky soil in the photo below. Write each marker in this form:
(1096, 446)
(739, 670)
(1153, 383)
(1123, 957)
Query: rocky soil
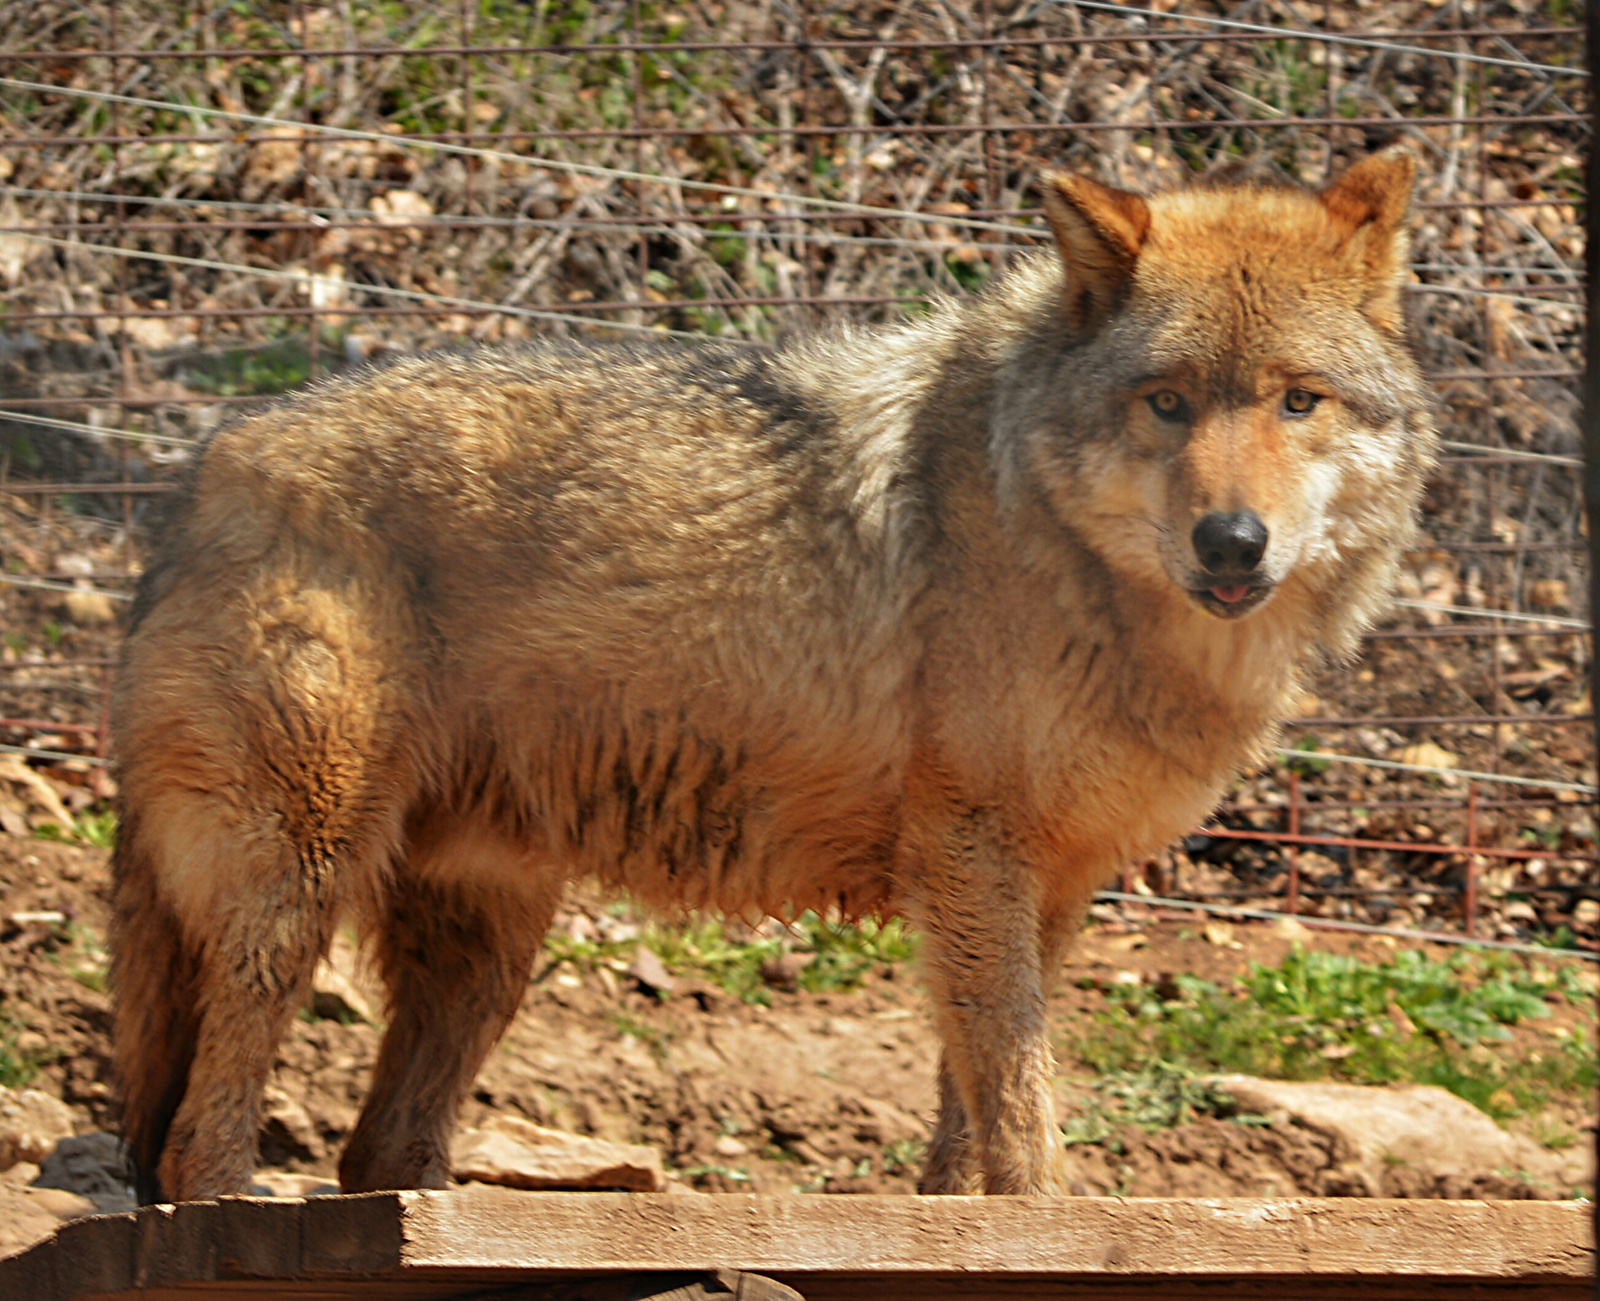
(815, 1093)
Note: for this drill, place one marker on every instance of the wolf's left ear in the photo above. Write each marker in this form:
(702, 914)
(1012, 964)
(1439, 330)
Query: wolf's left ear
(1370, 206)
(1099, 232)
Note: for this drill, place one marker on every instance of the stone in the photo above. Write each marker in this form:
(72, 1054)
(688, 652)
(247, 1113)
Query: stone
(516, 1153)
(336, 988)
(31, 1124)
(783, 971)
(1548, 594)
(882, 1122)
(88, 608)
(31, 793)
(1426, 754)
(20, 1175)
(94, 1165)
(1410, 1140)
(62, 1204)
(651, 973)
(287, 1127)
(23, 1220)
(284, 1183)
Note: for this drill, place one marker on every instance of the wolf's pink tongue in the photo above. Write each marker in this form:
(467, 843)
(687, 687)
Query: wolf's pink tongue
(1230, 594)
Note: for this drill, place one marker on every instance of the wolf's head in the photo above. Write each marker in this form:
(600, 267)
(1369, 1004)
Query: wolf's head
(1214, 392)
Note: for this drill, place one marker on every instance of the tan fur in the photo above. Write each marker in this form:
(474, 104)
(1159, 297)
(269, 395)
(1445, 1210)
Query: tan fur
(878, 620)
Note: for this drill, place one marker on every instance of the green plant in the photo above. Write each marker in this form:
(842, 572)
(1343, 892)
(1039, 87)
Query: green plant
(273, 368)
(904, 1154)
(1319, 1015)
(727, 1172)
(844, 952)
(86, 958)
(17, 1068)
(1554, 1134)
(1157, 1095)
(97, 828)
(1308, 767)
(652, 1037)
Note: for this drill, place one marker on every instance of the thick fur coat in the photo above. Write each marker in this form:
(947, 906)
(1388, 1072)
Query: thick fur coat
(951, 619)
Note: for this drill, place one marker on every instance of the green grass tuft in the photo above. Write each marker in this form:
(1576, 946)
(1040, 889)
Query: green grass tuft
(17, 1068)
(98, 828)
(1158, 1095)
(1327, 1016)
(844, 953)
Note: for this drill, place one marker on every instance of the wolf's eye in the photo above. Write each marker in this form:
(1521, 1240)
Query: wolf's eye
(1169, 405)
(1300, 402)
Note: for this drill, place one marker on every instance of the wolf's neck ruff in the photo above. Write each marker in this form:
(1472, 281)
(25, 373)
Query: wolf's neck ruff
(953, 618)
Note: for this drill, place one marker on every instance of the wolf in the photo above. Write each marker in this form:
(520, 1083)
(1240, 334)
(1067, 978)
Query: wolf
(950, 619)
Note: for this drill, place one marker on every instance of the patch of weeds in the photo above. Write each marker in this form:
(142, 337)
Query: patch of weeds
(97, 828)
(18, 448)
(726, 1171)
(253, 372)
(1319, 1015)
(1158, 1095)
(703, 948)
(1556, 1135)
(585, 955)
(86, 959)
(17, 1068)
(904, 1154)
(1307, 767)
(844, 953)
(847, 951)
(654, 1039)
(1560, 938)
(971, 274)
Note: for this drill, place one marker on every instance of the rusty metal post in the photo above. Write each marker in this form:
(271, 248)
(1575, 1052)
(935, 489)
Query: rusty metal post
(641, 191)
(1469, 897)
(1591, 408)
(102, 722)
(1294, 848)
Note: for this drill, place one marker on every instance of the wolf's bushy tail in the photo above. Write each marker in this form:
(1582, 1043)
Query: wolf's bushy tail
(154, 972)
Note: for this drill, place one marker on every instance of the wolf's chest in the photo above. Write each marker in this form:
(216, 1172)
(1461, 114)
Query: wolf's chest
(1145, 746)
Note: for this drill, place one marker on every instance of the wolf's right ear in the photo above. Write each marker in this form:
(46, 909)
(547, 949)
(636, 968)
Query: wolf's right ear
(1099, 232)
(1370, 205)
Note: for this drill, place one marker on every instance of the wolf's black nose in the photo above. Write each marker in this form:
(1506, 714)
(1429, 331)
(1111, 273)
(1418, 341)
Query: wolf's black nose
(1230, 545)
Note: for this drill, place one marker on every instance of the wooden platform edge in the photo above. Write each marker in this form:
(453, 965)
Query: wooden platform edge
(489, 1236)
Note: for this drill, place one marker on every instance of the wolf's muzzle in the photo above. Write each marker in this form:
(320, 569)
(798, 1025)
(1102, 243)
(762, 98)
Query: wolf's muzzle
(1229, 547)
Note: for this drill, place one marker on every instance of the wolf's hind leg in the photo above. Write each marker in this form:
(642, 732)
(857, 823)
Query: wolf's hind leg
(259, 779)
(210, 968)
(155, 970)
(462, 923)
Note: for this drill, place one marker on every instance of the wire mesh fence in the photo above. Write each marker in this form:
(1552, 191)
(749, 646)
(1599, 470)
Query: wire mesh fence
(202, 205)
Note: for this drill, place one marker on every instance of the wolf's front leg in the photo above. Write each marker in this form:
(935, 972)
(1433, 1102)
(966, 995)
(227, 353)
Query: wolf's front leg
(984, 943)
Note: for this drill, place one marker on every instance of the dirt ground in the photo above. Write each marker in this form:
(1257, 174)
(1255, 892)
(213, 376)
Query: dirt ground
(818, 1092)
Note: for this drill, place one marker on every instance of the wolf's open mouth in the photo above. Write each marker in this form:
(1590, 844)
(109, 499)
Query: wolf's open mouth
(1231, 601)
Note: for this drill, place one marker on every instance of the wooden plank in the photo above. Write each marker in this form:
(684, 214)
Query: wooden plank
(418, 1246)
